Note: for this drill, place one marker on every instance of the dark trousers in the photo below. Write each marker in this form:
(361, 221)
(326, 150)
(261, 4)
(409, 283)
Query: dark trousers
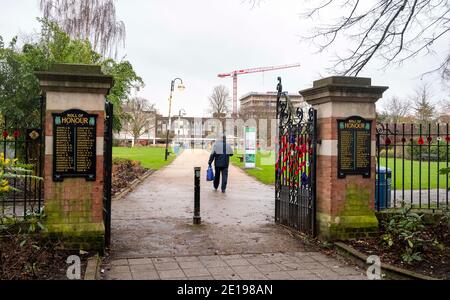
(224, 173)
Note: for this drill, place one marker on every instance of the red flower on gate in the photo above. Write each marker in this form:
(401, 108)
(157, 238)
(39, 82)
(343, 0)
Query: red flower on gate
(388, 141)
(304, 148)
(5, 134)
(421, 141)
(429, 139)
(447, 139)
(16, 134)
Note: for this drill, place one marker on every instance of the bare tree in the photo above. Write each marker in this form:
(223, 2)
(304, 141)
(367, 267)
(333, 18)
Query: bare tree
(219, 101)
(444, 111)
(140, 117)
(93, 20)
(423, 105)
(393, 30)
(396, 110)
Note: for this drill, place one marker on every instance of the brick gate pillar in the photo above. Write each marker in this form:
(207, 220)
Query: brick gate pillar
(74, 205)
(345, 206)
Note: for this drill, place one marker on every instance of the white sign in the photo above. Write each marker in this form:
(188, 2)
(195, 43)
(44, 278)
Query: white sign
(250, 148)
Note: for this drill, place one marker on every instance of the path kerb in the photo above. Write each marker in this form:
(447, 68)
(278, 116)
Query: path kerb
(74, 207)
(345, 207)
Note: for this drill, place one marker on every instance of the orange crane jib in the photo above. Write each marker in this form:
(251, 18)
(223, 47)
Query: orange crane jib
(234, 74)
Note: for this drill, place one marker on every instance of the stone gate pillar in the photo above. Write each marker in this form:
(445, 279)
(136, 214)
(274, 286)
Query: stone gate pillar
(345, 201)
(74, 142)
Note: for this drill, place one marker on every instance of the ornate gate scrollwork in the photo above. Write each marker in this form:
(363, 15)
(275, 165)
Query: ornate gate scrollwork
(295, 190)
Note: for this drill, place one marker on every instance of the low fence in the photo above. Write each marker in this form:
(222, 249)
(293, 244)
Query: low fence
(25, 145)
(410, 163)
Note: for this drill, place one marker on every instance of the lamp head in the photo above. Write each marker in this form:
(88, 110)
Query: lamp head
(181, 87)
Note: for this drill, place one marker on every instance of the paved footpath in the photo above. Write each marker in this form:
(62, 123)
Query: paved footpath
(153, 236)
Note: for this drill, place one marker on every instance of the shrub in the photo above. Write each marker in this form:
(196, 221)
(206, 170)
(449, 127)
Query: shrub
(407, 232)
(423, 152)
(390, 153)
(10, 169)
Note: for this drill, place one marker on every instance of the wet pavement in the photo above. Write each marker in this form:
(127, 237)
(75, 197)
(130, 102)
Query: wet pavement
(155, 222)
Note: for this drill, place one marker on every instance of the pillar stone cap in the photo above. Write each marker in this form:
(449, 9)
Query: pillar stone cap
(343, 80)
(343, 89)
(75, 78)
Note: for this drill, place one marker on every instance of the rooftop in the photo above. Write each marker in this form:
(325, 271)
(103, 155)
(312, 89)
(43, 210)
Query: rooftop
(265, 94)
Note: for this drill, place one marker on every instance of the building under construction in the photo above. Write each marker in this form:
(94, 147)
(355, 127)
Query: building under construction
(263, 105)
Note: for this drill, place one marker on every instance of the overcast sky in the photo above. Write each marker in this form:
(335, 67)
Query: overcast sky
(198, 39)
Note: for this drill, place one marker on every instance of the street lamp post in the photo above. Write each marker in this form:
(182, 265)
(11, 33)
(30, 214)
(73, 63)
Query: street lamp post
(181, 87)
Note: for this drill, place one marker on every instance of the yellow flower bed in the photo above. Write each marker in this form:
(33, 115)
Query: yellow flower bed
(5, 163)
(4, 186)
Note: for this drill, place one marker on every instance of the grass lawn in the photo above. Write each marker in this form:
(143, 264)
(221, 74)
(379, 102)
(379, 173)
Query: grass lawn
(416, 166)
(266, 172)
(150, 158)
(265, 166)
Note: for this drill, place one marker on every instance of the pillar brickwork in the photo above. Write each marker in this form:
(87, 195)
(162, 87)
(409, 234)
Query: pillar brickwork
(344, 206)
(74, 206)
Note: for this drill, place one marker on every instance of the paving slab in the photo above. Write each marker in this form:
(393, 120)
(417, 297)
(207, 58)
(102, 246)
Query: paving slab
(140, 261)
(237, 262)
(166, 266)
(146, 276)
(191, 264)
(171, 274)
(270, 268)
(221, 271)
(196, 272)
(226, 277)
(303, 275)
(215, 263)
(142, 268)
(278, 276)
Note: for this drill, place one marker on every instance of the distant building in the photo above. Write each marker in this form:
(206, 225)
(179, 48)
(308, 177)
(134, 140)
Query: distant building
(188, 131)
(264, 105)
(202, 132)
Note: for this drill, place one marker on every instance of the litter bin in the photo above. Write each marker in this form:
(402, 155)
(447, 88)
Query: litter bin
(383, 188)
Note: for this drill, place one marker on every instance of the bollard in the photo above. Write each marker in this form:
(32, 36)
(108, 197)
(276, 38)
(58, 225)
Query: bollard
(197, 218)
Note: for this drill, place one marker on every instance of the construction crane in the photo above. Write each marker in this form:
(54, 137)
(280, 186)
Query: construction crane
(235, 74)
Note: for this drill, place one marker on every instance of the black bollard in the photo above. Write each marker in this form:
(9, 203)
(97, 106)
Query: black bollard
(197, 218)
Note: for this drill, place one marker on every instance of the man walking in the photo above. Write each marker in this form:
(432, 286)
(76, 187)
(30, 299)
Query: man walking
(220, 155)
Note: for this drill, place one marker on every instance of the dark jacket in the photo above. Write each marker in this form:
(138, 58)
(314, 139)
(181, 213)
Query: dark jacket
(221, 154)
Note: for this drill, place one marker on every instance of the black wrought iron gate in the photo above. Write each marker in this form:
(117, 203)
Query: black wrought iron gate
(108, 171)
(295, 190)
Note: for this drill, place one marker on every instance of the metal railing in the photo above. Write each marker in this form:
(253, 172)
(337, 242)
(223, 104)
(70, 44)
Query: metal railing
(410, 160)
(26, 196)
